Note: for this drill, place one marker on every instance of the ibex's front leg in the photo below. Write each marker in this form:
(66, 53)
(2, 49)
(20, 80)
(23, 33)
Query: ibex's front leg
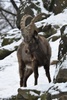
(27, 73)
(21, 72)
(46, 67)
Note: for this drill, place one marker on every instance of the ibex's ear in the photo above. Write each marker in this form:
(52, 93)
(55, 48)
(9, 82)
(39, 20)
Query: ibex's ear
(35, 34)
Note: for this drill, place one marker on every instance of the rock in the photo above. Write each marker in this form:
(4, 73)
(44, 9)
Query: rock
(9, 42)
(63, 42)
(56, 91)
(59, 6)
(54, 38)
(64, 97)
(61, 71)
(62, 76)
(4, 53)
(28, 94)
(59, 96)
(48, 30)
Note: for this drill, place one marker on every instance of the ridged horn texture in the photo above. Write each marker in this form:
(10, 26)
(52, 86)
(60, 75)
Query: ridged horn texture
(23, 20)
(38, 17)
(29, 29)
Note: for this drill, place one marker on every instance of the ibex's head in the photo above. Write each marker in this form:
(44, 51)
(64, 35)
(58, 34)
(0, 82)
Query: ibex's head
(28, 27)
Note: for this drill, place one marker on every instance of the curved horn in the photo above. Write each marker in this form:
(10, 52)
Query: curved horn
(39, 17)
(36, 18)
(23, 20)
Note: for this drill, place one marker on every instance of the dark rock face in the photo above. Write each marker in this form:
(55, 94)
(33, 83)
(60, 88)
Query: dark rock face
(62, 76)
(56, 6)
(49, 30)
(61, 70)
(63, 42)
(4, 53)
(62, 57)
(59, 6)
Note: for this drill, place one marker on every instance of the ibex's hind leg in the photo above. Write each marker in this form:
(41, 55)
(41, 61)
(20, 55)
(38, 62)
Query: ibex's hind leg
(46, 67)
(27, 73)
(36, 74)
(36, 77)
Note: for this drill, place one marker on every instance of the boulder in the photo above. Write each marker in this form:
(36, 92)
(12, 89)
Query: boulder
(27, 94)
(63, 42)
(9, 42)
(61, 71)
(63, 97)
(4, 53)
(62, 76)
(49, 30)
(59, 6)
(55, 91)
(61, 68)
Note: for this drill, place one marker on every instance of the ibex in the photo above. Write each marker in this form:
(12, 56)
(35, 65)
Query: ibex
(33, 52)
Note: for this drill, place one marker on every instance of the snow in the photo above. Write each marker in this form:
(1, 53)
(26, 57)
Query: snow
(42, 7)
(9, 78)
(59, 19)
(10, 35)
(9, 75)
(8, 3)
(58, 87)
(54, 47)
(11, 46)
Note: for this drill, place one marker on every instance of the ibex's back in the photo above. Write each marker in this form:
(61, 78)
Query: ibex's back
(33, 52)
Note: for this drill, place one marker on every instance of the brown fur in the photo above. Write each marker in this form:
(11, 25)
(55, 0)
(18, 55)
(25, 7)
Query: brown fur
(34, 54)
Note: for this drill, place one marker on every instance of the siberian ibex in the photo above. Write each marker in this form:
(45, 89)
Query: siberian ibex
(34, 51)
